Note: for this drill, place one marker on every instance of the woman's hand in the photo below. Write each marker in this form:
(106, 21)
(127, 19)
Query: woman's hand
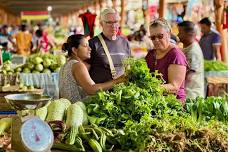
(122, 78)
(169, 90)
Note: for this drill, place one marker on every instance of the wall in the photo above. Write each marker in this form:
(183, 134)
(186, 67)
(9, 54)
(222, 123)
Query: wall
(8, 18)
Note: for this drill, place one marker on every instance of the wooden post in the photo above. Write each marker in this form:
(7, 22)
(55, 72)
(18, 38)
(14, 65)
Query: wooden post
(114, 4)
(218, 23)
(162, 8)
(122, 14)
(97, 6)
(101, 3)
(146, 13)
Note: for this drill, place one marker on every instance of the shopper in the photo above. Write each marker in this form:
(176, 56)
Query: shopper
(23, 39)
(210, 41)
(75, 81)
(195, 76)
(167, 58)
(42, 44)
(100, 68)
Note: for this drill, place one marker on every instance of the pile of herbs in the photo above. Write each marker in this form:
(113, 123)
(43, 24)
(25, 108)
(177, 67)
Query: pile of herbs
(206, 109)
(215, 66)
(148, 121)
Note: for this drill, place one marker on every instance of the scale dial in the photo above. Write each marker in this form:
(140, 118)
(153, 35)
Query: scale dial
(36, 135)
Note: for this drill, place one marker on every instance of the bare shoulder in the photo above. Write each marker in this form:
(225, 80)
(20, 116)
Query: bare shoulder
(79, 65)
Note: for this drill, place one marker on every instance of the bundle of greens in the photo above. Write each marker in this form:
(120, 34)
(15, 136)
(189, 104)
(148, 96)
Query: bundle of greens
(207, 109)
(215, 66)
(145, 120)
(134, 102)
(139, 74)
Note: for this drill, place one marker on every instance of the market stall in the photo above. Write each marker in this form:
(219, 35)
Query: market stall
(134, 116)
(48, 82)
(216, 74)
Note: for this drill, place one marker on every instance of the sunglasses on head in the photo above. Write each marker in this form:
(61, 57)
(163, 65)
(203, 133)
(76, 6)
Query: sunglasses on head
(159, 36)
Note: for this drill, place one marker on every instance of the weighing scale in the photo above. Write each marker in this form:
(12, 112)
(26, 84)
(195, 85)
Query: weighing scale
(29, 133)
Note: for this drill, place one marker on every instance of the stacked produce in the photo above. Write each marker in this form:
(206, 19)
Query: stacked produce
(69, 124)
(149, 121)
(42, 63)
(10, 79)
(7, 68)
(36, 63)
(207, 109)
(137, 116)
(215, 66)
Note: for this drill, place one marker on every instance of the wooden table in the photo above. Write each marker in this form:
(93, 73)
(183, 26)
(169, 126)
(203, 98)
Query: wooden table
(217, 86)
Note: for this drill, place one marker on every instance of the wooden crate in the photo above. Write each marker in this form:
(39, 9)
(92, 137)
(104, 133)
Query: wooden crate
(217, 86)
(9, 79)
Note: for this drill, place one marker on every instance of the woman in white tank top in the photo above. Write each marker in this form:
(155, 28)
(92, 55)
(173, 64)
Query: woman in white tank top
(75, 82)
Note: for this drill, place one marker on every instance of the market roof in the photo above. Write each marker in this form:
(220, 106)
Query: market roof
(59, 7)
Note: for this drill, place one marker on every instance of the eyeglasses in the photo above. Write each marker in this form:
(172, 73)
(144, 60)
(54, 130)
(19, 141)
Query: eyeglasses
(112, 22)
(159, 36)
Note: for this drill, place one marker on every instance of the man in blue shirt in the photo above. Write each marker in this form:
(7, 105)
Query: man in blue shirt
(210, 41)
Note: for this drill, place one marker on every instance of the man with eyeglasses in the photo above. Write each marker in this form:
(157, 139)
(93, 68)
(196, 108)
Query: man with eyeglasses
(117, 46)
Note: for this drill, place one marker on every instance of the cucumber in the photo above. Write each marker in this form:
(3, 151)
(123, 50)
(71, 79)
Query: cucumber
(66, 147)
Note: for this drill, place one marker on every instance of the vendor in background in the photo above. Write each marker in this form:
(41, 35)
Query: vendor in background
(210, 41)
(4, 37)
(43, 44)
(23, 42)
(75, 81)
(140, 42)
(118, 48)
(167, 58)
(194, 82)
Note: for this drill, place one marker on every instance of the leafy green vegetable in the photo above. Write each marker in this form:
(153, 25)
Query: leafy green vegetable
(215, 66)
(206, 109)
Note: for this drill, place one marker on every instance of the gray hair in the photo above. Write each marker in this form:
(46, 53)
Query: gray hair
(161, 22)
(108, 11)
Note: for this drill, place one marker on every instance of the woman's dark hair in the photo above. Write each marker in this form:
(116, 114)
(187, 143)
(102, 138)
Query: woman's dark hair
(39, 33)
(72, 41)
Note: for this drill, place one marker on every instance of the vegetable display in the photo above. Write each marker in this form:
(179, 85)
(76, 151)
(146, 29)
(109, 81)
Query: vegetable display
(149, 121)
(138, 116)
(215, 66)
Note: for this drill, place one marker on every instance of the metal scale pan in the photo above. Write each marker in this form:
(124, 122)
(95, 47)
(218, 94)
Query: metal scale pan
(27, 101)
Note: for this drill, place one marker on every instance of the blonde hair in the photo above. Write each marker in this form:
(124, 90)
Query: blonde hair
(108, 11)
(161, 22)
